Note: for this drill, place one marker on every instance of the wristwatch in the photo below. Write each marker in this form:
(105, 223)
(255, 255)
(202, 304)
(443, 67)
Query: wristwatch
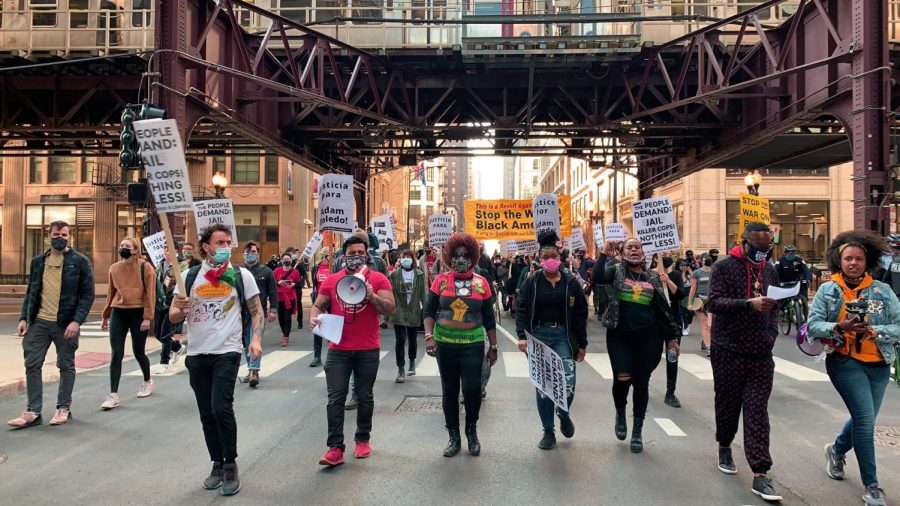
(494, 347)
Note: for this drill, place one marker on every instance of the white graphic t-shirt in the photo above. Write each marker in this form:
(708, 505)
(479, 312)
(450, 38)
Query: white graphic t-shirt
(214, 319)
(408, 278)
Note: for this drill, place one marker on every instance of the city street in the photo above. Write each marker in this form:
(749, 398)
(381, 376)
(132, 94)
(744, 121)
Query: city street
(151, 451)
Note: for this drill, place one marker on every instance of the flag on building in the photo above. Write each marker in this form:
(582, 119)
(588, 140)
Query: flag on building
(420, 169)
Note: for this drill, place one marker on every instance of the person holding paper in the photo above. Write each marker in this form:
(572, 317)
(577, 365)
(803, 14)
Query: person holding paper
(458, 314)
(286, 277)
(553, 309)
(859, 365)
(638, 322)
(358, 350)
(409, 293)
(743, 335)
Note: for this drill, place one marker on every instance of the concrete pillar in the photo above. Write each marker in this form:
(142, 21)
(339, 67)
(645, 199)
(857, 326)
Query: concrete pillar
(106, 240)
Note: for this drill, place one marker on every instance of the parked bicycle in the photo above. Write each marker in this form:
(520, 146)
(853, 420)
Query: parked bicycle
(794, 311)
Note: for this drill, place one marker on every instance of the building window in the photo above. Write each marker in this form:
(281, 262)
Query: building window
(259, 224)
(62, 170)
(415, 193)
(803, 224)
(129, 223)
(37, 233)
(218, 165)
(271, 169)
(245, 168)
(430, 193)
(36, 170)
(141, 14)
(78, 19)
(43, 12)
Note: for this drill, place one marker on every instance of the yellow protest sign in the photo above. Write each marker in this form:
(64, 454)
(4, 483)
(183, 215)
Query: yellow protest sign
(510, 219)
(753, 208)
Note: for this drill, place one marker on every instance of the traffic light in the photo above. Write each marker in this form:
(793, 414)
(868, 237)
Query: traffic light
(128, 156)
(137, 192)
(150, 111)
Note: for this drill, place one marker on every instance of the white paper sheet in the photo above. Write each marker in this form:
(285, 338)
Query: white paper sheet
(331, 327)
(778, 293)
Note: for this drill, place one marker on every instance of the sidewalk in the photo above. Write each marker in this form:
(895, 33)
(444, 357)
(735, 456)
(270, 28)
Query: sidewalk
(93, 353)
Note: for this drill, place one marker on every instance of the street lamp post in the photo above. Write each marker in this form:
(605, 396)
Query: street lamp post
(752, 180)
(220, 182)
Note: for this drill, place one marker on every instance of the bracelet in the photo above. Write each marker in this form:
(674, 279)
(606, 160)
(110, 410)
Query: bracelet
(429, 336)
(493, 347)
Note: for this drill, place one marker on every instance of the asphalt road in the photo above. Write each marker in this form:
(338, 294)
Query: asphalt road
(151, 451)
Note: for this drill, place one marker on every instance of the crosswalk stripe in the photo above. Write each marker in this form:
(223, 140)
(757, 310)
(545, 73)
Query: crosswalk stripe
(427, 367)
(508, 335)
(91, 333)
(669, 427)
(274, 362)
(600, 363)
(381, 357)
(515, 364)
(172, 371)
(696, 365)
(798, 372)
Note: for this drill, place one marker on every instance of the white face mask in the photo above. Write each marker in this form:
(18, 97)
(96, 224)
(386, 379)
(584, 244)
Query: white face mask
(406, 263)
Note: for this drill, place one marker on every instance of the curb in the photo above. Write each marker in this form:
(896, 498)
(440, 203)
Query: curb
(12, 388)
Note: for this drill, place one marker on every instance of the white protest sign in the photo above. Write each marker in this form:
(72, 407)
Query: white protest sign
(510, 247)
(336, 203)
(383, 228)
(313, 245)
(527, 247)
(547, 372)
(213, 211)
(545, 207)
(654, 224)
(577, 240)
(440, 227)
(155, 246)
(615, 232)
(163, 157)
(598, 234)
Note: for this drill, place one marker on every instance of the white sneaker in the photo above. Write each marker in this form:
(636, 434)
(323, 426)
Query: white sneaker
(162, 369)
(146, 389)
(179, 354)
(112, 401)
(685, 332)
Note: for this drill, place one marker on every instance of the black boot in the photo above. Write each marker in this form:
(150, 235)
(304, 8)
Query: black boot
(455, 443)
(474, 445)
(621, 425)
(637, 442)
(401, 375)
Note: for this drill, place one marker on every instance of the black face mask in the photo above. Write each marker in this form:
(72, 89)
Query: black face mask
(125, 253)
(667, 262)
(58, 243)
(714, 257)
(755, 253)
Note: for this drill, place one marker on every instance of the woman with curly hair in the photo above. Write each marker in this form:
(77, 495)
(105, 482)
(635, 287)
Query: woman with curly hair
(458, 314)
(859, 316)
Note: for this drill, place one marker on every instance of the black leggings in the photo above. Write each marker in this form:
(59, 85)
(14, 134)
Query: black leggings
(120, 322)
(284, 319)
(634, 354)
(460, 363)
(403, 334)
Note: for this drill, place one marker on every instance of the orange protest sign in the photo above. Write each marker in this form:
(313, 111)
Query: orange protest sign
(510, 219)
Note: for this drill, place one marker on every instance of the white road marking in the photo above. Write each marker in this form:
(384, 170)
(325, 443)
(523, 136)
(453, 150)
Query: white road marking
(696, 365)
(515, 364)
(669, 427)
(172, 371)
(798, 372)
(600, 363)
(274, 362)
(509, 336)
(92, 333)
(380, 358)
(427, 366)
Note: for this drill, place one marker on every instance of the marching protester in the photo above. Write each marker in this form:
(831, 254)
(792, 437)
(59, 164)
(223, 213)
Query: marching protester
(743, 334)
(358, 349)
(268, 298)
(675, 285)
(130, 306)
(428, 261)
(320, 273)
(697, 300)
(863, 348)
(221, 302)
(58, 298)
(638, 321)
(168, 334)
(187, 254)
(553, 309)
(409, 289)
(298, 266)
(286, 277)
(458, 315)
(502, 267)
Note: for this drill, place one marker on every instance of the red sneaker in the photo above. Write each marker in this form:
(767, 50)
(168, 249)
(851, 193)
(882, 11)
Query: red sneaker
(333, 457)
(362, 450)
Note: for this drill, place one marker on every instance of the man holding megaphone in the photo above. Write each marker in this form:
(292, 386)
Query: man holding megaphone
(360, 295)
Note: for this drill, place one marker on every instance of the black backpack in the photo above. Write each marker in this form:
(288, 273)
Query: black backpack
(246, 319)
(162, 302)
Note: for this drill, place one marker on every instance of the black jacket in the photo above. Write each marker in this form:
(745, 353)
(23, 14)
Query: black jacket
(576, 309)
(76, 296)
(265, 281)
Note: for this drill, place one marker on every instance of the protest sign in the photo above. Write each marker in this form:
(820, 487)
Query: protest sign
(440, 226)
(576, 242)
(545, 207)
(547, 372)
(313, 245)
(615, 232)
(336, 203)
(210, 212)
(528, 247)
(654, 225)
(597, 229)
(155, 246)
(510, 219)
(509, 246)
(163, 157)
(753, 208)
(383, 228)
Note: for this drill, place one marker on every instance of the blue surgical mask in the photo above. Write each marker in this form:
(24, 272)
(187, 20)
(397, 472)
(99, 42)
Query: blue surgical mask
(406, 263)
(251, 258)
(790, 257)
(222, 255)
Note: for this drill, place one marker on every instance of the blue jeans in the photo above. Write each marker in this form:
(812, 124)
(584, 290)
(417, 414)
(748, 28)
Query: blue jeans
(252, 365)
(862, 387)
(558, 339)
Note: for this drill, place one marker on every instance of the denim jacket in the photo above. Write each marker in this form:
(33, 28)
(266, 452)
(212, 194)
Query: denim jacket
(827, 306)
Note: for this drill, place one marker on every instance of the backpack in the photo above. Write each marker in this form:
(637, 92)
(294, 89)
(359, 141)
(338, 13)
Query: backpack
(161, 303)
(246, 319)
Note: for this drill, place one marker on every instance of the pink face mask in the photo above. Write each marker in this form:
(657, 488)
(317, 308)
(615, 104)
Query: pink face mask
(551, 265)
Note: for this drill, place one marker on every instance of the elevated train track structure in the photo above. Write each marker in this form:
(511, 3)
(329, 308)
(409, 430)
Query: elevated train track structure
(361, 88)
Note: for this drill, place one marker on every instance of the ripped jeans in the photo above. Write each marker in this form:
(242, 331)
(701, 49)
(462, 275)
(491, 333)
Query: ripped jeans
(556, 338)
